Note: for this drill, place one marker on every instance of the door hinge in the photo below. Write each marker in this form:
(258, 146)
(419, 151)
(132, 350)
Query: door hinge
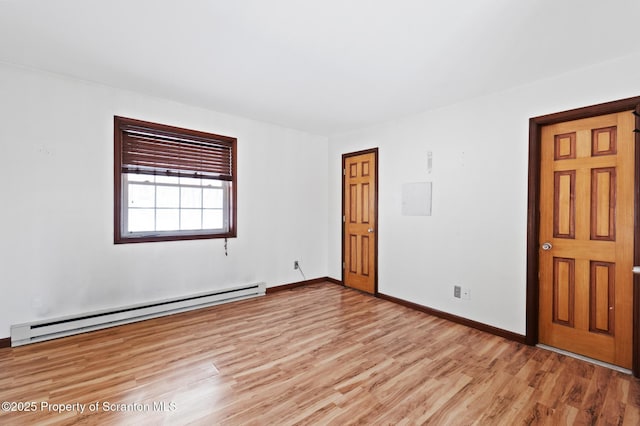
(344, 172)
(344, 218)
(343, 265)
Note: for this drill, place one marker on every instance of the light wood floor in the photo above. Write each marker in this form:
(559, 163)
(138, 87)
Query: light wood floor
(320, 354)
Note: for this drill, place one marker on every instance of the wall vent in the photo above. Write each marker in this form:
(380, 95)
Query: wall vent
(22, 334)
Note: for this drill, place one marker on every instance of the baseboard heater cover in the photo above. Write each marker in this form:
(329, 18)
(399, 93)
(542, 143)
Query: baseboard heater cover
(22, 334)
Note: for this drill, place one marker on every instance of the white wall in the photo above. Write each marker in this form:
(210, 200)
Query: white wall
(477, 234)
(57, 255)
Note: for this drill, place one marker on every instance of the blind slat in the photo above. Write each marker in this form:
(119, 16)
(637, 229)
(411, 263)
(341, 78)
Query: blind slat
(175, 155)
(132, 149)
(149, 156)
(174, 173)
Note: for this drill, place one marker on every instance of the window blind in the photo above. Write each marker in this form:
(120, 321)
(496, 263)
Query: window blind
(151, 151)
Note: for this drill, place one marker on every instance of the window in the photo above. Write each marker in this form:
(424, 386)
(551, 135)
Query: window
(172, 183)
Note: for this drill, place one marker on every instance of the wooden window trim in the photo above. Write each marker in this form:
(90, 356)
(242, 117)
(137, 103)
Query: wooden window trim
(121, 124)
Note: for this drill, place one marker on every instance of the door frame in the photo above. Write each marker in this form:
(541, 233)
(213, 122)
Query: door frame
(373, 151)
(533, 213)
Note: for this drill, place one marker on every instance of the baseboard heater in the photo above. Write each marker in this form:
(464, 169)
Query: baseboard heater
(39, 331)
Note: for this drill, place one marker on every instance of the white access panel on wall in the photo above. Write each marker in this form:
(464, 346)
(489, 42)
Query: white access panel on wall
(416, 199)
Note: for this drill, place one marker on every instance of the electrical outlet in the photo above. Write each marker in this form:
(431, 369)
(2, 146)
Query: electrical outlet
(296, 265)
(466, 293)
(457, 290)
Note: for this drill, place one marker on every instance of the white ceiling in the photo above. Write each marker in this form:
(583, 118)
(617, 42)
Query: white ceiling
(323, 66)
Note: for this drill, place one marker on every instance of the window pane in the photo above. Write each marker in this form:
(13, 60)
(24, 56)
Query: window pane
(212, 182)
(212, 198)
(212, 219)
(190, 219)
(168, 196)
(167, 179)
(141, 195)
(191, 198)
(141, 220)
(190, 181)
(168, 220)
(134, 177)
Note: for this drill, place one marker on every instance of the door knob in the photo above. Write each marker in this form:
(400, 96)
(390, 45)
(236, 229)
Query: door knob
(547, 246)
(370, 230)
(636, 269)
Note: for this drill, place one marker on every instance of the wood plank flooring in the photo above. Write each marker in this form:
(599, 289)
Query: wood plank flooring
(319, 354)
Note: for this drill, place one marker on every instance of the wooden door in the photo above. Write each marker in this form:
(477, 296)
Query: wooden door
(360, 220)
(587, 237)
